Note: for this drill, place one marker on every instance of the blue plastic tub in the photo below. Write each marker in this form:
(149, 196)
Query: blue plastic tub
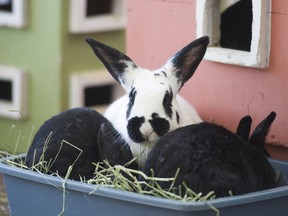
(31, 193)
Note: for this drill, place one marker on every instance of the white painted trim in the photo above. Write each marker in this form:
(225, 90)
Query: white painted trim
(16, 19)
(80, 81)
(258, 57)
(79, 23)
(18, 107)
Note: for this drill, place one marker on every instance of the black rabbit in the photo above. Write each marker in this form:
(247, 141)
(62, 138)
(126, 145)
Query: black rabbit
(73, 138)
(211, 158)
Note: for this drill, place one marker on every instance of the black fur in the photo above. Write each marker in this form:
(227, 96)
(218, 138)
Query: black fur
(258, 137)
(109, 140)
(111, 58)
(177, 117)
(187, 59)
(259, 134)
(244, 127)
(133, 128)
(164, 73)
(210, 158)
(167, 103)
(77, 126)
(132, 96)
(80, 127)
(160, 125)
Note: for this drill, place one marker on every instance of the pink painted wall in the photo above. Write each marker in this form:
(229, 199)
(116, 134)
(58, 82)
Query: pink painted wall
(222, 93)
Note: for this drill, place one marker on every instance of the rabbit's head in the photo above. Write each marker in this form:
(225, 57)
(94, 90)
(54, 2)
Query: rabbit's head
(156, 90)
(151, 108)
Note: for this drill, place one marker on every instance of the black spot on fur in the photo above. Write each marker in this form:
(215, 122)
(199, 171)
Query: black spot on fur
(164, 73)
(154, 115)
(167, 103)
(133, 129)
(159, 74)
(177, 117)
(132, 96)
(160, 125)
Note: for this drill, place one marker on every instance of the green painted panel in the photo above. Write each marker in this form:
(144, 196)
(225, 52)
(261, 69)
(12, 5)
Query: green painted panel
(49, 54)
(37, 50)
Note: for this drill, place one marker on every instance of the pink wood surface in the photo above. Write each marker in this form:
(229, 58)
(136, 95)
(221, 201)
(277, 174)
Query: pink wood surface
(221, 93)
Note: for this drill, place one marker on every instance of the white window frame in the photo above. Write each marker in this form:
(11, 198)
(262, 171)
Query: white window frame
(80, 81)
(18, 107)
(16, 18)
(258, 57)
(80, 23)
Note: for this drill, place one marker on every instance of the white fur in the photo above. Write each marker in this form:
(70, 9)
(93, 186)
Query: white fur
(148, 100)
(148, 110)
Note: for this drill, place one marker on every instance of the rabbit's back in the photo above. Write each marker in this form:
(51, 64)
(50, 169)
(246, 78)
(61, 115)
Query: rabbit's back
(71, 139)
(210, 158)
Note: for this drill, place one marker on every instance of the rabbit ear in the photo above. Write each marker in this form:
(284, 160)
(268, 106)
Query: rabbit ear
(244, 127)
(112, 147)
(259, 134)
(184, 63)
(116, 62)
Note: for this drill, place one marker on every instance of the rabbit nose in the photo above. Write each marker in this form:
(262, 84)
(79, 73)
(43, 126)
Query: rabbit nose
(146, 131)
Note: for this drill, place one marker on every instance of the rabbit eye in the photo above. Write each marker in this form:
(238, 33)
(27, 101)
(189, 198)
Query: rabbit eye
(167, 103)
(132, 96)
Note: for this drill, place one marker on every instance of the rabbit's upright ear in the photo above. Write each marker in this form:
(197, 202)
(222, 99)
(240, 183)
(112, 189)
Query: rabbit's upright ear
(116, 62)
(244, 127)
(258, 136)
(184, 63)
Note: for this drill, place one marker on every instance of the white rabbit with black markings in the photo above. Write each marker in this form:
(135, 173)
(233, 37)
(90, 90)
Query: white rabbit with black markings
(151, 108)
